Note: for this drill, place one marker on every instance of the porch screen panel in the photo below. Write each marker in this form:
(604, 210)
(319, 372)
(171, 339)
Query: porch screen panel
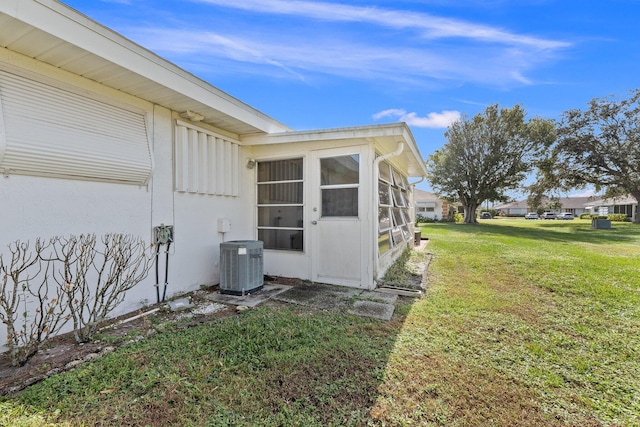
(205, 163)
(49, 131)
(394, 202)
(280, 190)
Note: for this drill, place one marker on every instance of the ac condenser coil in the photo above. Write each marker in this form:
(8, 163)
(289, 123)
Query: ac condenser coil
(241, 267)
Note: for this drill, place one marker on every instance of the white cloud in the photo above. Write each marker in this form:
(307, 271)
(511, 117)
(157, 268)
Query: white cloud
(431, 120)
(430, 26)
(421, 54)
(275, 51)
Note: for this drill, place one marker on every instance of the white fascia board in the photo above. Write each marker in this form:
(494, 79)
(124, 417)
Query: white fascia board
(400, 132)
(356, 132)
(72, 27)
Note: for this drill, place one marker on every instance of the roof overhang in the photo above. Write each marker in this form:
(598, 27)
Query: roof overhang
(53, 33)
(385, 139)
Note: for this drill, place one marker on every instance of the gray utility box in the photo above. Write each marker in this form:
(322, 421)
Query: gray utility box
(241, 267)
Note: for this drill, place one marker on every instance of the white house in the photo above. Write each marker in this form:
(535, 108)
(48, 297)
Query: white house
(429, 205)
(99, 135)
(620, 205)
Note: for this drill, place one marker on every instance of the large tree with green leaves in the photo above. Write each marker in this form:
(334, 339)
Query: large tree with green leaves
(599, 146)
(487, 155)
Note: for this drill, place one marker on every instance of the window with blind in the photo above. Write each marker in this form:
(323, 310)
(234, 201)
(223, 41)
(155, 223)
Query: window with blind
(52, 132)
(280, 190)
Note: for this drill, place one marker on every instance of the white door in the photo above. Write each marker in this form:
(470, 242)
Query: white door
(337, 220)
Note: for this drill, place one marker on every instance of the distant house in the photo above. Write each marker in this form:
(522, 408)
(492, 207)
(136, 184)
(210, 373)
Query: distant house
(575, 205)
(516, 208)
(430, 205)
(620, 205)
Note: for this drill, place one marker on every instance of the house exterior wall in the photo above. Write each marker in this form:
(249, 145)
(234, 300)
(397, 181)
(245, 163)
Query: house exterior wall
(44, 207)
(430, 206)
(175, 185)
(433, 210)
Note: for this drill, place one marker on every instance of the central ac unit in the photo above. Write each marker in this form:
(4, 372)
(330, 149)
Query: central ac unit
(241, 267)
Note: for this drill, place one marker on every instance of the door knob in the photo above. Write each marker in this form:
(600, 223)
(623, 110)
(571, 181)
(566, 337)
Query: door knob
(314, 222)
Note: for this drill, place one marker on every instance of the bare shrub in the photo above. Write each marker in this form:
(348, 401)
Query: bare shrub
(95, 276)
(30, 313)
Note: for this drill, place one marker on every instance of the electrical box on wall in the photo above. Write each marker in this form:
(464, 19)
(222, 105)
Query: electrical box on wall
(163, 234)
(224, 225)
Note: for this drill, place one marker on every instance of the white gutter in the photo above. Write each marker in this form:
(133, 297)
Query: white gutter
(411, 184)
(376, 178)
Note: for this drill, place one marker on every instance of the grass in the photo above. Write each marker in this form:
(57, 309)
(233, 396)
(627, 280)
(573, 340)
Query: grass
(524, 323)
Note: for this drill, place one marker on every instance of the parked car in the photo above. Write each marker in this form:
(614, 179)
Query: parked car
(485, 215)
(531, 215)
(548, 215)
(566, 215)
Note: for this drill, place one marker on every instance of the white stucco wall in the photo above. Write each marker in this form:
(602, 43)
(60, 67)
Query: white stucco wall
(45, 207)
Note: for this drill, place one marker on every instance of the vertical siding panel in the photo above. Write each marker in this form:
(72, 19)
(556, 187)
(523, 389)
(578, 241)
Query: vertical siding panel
(193, 161)
(220, 167)
(235, 169)
(180, 159)
(228, 168)
(211, 163)
(203, 157)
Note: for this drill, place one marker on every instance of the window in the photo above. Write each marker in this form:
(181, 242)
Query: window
(339, 181)
(52, 132)
(393, 208)
(280, 204)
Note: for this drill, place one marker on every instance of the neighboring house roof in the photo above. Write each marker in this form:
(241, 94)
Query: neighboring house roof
(623, 200)
(574, 202)
(424, 196)
(53, 33)
(520, 204)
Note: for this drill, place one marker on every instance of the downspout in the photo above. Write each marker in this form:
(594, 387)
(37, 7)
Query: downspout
(376, 179)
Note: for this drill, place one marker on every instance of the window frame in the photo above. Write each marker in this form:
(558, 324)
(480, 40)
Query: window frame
(300, 204)
(355, 185)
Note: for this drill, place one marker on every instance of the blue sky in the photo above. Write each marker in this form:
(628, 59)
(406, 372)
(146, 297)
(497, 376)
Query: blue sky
(324, 64)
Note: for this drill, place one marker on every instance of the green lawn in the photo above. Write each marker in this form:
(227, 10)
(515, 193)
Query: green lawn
(524, 323)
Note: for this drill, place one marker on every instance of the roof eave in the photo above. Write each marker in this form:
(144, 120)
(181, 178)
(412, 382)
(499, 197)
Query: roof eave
(70, 26)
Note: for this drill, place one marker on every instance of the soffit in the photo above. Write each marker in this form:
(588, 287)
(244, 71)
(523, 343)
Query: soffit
(85, 48)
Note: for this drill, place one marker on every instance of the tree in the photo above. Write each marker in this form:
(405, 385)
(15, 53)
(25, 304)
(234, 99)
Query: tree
(488, 155)
(599, 147)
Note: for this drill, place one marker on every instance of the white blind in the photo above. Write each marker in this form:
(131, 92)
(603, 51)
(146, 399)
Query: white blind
(205, 163)
(49, 131)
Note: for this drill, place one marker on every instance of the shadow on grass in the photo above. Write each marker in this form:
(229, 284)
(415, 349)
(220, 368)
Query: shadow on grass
(275, 365)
